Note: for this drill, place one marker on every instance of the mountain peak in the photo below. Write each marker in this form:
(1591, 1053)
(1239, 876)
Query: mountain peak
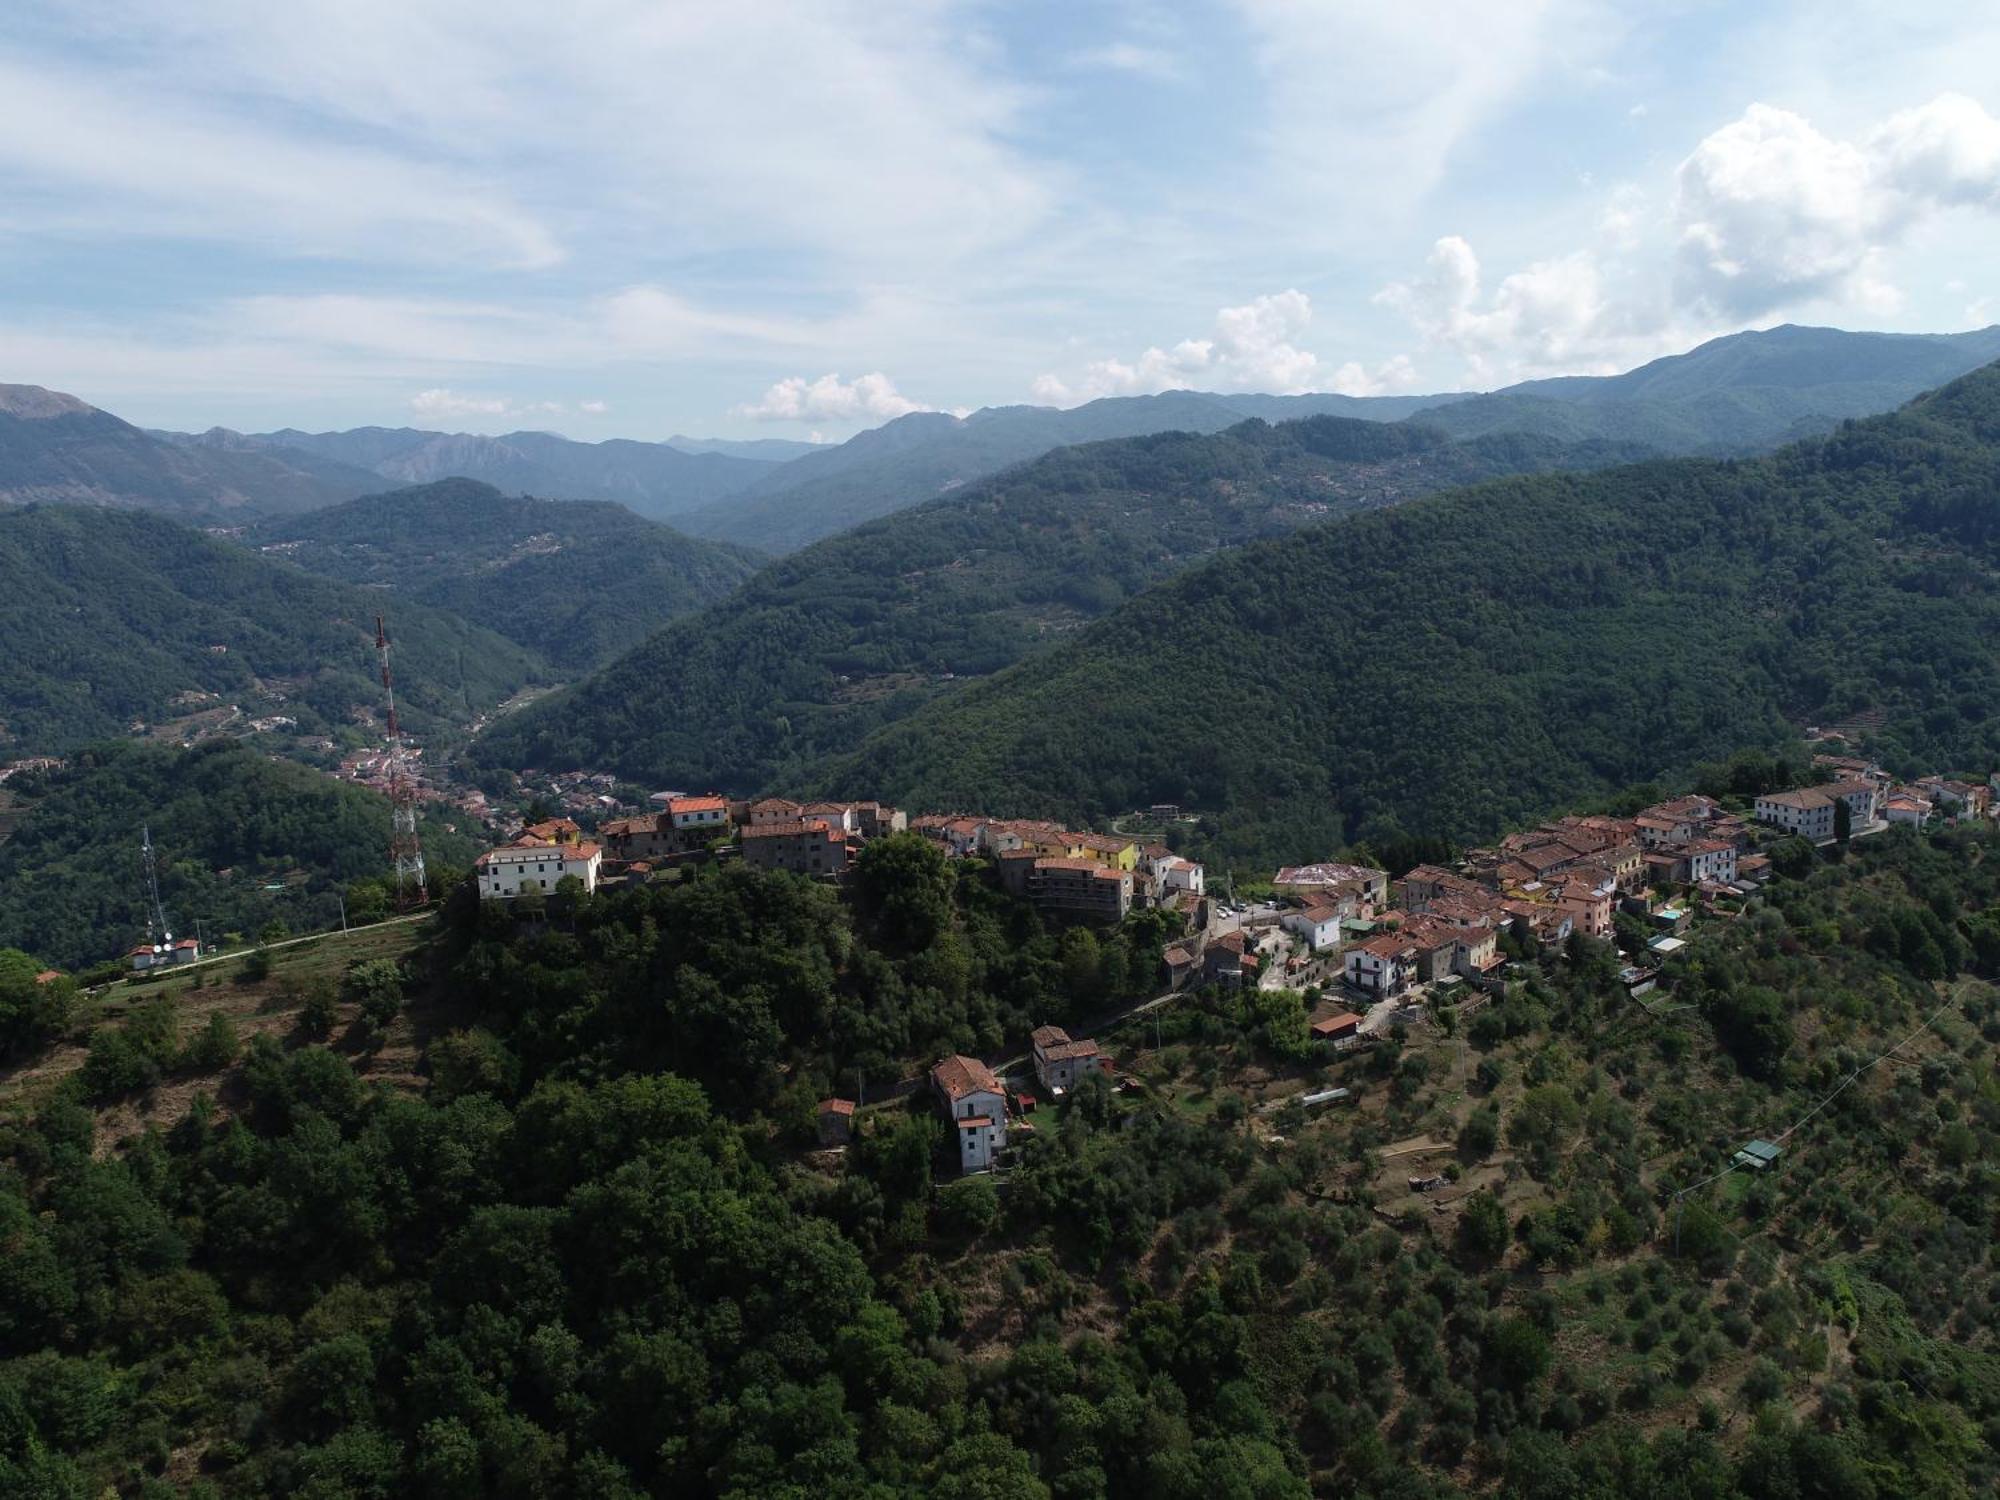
(36, 403)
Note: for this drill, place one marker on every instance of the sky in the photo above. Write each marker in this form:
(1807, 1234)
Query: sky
(770, 219)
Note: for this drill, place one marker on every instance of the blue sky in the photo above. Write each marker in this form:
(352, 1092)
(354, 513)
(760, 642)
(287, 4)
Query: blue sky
(612, 218)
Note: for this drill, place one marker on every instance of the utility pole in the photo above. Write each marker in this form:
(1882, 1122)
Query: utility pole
(157, 934)
(406, 853)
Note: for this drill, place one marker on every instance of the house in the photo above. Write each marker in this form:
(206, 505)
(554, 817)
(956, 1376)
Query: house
(976, 1104)
(1382, 965)
(1106, 849)
(1080, 886)
(1342, 1023)
(145, 958)
(834, 814)
(1309, 881)
(1228, 959)
(48, 976)
(773, 810)
(836, 1122)
(1318, 927)
(649, 836)
(1182, 963)
(1714, 859)
(1958, 799)
(532, 863)
(1862, 796)
(804, 848)
(1061, 1063)
(1173, 875)
(1426, 883)
(877, 820)
(699, 816)
(1808, 813)
(1907, 811)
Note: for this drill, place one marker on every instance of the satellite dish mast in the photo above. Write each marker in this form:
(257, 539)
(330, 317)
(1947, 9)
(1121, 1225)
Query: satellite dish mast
(406, 852)
(157, 935)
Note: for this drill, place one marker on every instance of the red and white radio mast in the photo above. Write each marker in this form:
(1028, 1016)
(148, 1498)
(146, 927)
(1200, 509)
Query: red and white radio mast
(406, 853)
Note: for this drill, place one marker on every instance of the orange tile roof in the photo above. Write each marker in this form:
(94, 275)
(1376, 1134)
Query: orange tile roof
(959, 1075)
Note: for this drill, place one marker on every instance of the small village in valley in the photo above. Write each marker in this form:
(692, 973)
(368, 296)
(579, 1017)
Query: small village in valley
(1368, 954)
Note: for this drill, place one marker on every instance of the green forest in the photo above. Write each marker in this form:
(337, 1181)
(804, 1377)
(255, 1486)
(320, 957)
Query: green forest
(578, 581)
(596, 1256)
(243, 841)
(118, 617)
(857, 631)
(1465, 662)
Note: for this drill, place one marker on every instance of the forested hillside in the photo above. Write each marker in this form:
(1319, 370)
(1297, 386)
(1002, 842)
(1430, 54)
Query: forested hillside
(852, 633)
(1475, 658)
(116, 617)
(579, 581)
(57, 449)
(243, 840)
(597, 1257)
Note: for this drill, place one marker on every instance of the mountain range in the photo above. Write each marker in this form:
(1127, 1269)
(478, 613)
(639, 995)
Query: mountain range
(578, 581)
(655, 480)
(1735, 395)
(1475, 658)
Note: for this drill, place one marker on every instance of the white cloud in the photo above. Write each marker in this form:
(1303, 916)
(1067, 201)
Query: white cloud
(593, 408)
(869, 131)
(441, 402)
(1771, 212)
(1556, 316)
(872, 397)
(1252, 348)
(1386, 379)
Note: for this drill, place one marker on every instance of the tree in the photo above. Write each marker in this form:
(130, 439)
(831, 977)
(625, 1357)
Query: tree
(1517, 1353)
(1843, 821)
(1482, 1227)
(902, 890)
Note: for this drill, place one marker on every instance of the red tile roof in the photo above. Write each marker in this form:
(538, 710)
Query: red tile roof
(836, 1106)
(959, 1075)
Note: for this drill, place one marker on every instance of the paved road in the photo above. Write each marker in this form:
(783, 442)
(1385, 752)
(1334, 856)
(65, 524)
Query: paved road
(310, 937)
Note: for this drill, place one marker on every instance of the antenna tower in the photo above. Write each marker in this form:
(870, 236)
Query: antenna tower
(156, 915)
(406, 854)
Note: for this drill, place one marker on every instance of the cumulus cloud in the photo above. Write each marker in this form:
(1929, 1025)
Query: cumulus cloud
(1555, 315)
(1771, 212)
(1251, 348)
(872, 397)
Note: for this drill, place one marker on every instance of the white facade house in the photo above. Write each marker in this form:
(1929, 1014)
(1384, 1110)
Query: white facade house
(1318, 927)
(1808, 813)
(1177, 874)
(1380, 966)
(513, 868)
(1059, 1062)
(1712, 859)
(976, 1104)
(699, 814)
(1908, 812)
(1862, 796)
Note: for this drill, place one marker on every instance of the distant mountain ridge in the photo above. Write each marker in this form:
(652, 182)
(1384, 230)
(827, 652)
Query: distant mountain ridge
(1739, 394)
(655, 480)
(577, 580)
(56, 449)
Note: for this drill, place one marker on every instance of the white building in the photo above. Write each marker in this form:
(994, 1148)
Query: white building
(533, 864)
(1381, 965)
(1177, 874)
(1862, 796)
(1060, 1062)
(1907, 811)
(1808, 813)
(1317, 926)
(699, 815)
(1711, 859)
(976, 1105)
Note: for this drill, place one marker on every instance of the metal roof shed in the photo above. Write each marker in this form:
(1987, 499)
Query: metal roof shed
(1757, 1155)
